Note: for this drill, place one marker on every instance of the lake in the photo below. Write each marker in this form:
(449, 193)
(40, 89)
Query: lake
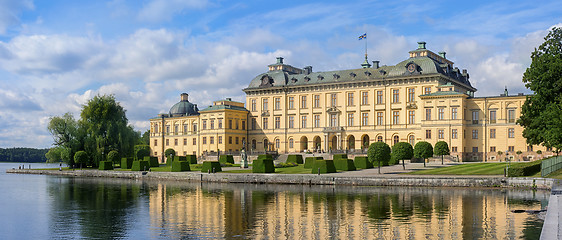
(50, 207)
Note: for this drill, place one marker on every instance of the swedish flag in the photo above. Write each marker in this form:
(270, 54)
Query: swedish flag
(363, 36)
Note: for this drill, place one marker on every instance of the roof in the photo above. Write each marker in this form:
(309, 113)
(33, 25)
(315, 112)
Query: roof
(184, 108)
(442, 93)
(222, 107)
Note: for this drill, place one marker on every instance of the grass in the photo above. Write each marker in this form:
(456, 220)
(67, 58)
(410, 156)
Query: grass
(557, 174)
(286, 170)
(467, 169)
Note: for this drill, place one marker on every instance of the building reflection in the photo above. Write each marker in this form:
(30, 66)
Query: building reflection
(317, 212)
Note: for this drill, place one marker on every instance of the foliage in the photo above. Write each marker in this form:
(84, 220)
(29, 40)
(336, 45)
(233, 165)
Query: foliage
(539, 152)
(113, 156)
(180, 166)
(518, 152)
(379, 152)
(524, 169)
(402, 151)
(140, 166)
(441, 149)
(81, 158)
(66, 134)
(106, 165)
(287, 164)
(192, 159)
(145, 138)
(339, 156)
(226, 159)
(362, 162)
(126, 163)
(169, 152)
(345, 165)
(263, 165)
(141, 151)
(294, 158)
(541, 113)
(54, 154)
(23, 155)
(152, 161)
(423, 150)
(309, 161)
(211, 166)
(323, 166)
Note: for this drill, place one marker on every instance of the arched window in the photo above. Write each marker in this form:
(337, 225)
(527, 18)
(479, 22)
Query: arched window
(265, 145)
(277, 144)
(396, 139)
(379, 139)
(412, 140)
(290, 143)
(254, 144)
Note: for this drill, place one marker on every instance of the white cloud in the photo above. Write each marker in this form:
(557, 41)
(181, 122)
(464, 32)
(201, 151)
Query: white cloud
(164, 10)
(10, 11)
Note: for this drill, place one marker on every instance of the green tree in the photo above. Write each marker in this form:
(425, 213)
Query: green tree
(54, 154)
(81, 158)
(66, 134)
(423, 150)
(170, 154)
(402, 151)
(113, 156)
(106, 127)
(441, 149)
(379, 152)
(541, 113)
(145, 139)
(142, 151)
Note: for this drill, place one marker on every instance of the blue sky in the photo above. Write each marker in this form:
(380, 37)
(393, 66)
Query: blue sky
(55, 55)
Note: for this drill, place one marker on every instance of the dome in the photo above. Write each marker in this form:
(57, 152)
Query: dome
(184, 107)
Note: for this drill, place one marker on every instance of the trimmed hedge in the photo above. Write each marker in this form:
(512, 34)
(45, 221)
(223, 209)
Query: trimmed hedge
(126, 163)
(211, 165)
(524, 169)
(362, 162)
(309, 161)
(340, 156)
(345, 164)
(179, 159)
(226, 159)
(141, 151)
(152, 161)
(106, 165)
(180, 166)
(294, 158)
(263, 166)
(265, 157)
(140, 166)
(192, 159)
(325, 166)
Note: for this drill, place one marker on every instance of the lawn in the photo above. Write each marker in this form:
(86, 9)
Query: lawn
(467, 169)
(556, 174)
(286, 170)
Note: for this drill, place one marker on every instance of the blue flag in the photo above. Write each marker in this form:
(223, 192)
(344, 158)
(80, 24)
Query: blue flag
(363, 36)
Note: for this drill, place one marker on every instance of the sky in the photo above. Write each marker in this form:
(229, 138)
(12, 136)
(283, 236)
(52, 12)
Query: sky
(56, 55)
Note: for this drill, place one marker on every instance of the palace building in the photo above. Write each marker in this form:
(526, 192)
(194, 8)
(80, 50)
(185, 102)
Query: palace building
(289, 110)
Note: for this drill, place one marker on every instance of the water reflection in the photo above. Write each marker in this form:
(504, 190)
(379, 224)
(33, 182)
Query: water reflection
(108, 209)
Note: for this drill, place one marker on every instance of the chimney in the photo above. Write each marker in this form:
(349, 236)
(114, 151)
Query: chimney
(279, 60)
(229, 99)
(376, 64)
(442, 54)
(505, 92)
(308, 70)
(184, 97)
(421, 45)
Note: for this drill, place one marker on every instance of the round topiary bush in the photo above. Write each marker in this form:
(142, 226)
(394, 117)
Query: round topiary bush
(81, 158)
(113, 156)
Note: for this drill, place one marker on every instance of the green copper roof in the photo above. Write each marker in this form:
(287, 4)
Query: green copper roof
(222, 107)
(442, 93)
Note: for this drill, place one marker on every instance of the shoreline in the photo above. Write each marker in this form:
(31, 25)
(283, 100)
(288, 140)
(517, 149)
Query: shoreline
(312, 179)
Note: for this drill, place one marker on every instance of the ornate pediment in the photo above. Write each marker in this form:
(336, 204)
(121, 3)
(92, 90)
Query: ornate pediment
(412, 69)
(266, 81)
(333, 110)
(412, 106)
(265, 113)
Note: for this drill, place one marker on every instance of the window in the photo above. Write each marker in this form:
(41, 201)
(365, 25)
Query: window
(396, 139)
(167, 142)
(243, 125)
(156, 128)
(364, 119)
(412, 140)
(441, 113)
(379, 139)
(511, 132)
(492, 133)
(204, 124)
(454, 113)
(492, 149)
(333, 120)
(411, 117)
(474, 149)
(454, 134)
(350, 119)
(350, 99)
(185, 129)
(441, 134)
(195, 127)
(277, 143)
(264, 123)
(316, 121)
(211, 140)
(379, 97)
(212, 121)
(333, 100)
(167, 129)
(492, 116)
(236, 140)
(511, 115)
(219, 139)
(277, 104)
(220, 123)
(411, 94)
(277, 122)
(229, 140)
(237, 123)
(529, 148)
(253, 105)
(549, 149)
(395, 117)
(291, 143)
(176, 129)
(229, 123)
(395, 95)
(428, 134)
(291, 121)
(303, 121)
(428, 114)
(155, 142)
(427, 90)
(204, 140)
(264, 106)
(364, 98)
(380, 118)
(254, 123)
(510, 148)
(185, 141)
(194, 141)
(316, 103)
(453, 149)
(474, 134)
(303, 101)
(474, 117)
(291, 102)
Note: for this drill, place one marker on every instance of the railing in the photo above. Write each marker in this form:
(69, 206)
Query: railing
(550, 165)
(332, 129)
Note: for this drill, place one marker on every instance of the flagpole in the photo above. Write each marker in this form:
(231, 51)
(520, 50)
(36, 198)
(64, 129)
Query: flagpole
(365, 46)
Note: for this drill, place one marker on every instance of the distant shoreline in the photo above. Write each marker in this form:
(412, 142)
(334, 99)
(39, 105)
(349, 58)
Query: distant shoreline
(312, 179)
